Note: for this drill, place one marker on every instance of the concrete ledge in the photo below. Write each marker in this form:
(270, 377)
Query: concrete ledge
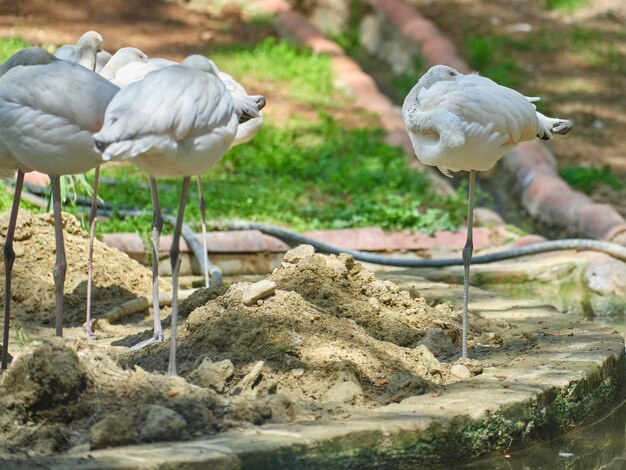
(572, 374)
(585, 284)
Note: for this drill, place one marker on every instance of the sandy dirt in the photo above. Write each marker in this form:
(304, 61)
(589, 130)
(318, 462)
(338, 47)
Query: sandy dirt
(118, 278)
(327, 340)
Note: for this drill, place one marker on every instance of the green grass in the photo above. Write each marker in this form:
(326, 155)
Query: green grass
(568, 6)
(588, 179)
(491, 57)
(9, 46)
(310, 175)
(306, 76)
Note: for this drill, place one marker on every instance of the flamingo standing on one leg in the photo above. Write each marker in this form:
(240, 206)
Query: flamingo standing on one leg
(48, 110)
(468, 122)
(177, 121)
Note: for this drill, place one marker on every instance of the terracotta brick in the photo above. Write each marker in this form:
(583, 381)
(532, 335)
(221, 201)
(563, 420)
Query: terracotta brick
(295, 25)
(528, 240)
(273, 6)
(244, 241)
(37, 179)
(126, 242)
(368, 238)
(436, 48)
(600, 221)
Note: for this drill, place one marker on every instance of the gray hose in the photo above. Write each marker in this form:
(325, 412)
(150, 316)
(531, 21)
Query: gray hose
(292, 238)
(198, 251)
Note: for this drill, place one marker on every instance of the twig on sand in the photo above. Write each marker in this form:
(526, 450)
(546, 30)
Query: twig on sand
(139, 304)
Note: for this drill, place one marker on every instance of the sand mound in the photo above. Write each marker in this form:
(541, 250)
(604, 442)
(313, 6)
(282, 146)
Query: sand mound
(328, 331)
(117, 278)
(65, 394)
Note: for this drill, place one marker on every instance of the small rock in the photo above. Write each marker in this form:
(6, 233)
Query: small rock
(485, 338)
(269, 387)
(297, 372)
(258, 290)
(248, 409)
(460, 371)
(437, 341)
(162, 424)
(250, 380)
(18, 249)
(214, 375)
(344, 392)
(79, 449)
(282, 408)
(519, 28)
(474, 366)
(335, 264)
(427, 358)
(297, 254)
(113, 430)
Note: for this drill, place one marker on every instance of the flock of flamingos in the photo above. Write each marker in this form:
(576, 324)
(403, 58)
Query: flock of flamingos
(73, 111)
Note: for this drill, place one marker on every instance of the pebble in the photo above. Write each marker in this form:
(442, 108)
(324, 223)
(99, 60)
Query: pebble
(297, 254)
(18, 249)
(460, 371)
(113, 430)
(428, 359)
(257, 291)
(437, 341)
(214, 374)
(297, 372)
(344, 392)
(162, 424)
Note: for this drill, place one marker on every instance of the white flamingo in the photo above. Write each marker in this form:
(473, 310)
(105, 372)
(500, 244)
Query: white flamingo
(129, 65)
(81, 53)
(468, 122)
(177, 121)
(48, 110)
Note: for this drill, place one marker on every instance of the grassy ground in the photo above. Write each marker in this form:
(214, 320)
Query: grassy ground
(308, 171)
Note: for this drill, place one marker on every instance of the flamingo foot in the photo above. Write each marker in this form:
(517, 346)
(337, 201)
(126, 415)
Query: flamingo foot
(147, 342)
(88, 331)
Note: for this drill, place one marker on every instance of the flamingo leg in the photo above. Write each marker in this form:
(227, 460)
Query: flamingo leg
(60, 266)
(93, 218)
(205, 265)
(468, 249)
(9, 258)
(157, 226)
(175, 260)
